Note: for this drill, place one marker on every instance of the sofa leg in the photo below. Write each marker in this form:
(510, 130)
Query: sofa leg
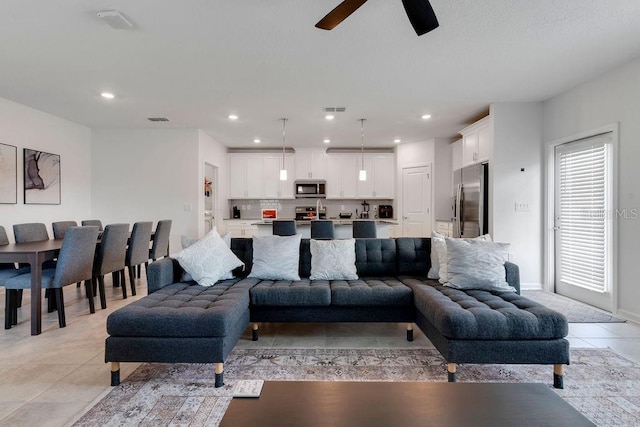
(558, 374)
(409, 331)
(254, 332)
(451, 372)
(219, 371)
(115, 373)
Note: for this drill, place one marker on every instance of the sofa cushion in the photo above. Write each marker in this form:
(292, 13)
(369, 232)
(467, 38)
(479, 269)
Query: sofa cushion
(183, 310)
(370, 292)
(333, 259)
(413, 255)
(285, 293)
(376, 257)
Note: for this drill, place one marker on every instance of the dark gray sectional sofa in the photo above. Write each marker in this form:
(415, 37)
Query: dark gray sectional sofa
(182, 322)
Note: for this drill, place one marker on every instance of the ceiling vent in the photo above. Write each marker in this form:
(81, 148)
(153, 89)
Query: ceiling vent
(157, 119)
(334, 109)
(115, 19)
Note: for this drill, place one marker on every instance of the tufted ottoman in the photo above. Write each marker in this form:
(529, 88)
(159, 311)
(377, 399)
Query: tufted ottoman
(182, 323)
(476, 326)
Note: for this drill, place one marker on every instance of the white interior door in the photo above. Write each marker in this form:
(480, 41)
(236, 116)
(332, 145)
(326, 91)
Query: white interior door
(416, 201)
(584, 221)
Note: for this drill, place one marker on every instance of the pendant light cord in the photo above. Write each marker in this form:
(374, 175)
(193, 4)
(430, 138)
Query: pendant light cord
(362, 141)
(284, 126)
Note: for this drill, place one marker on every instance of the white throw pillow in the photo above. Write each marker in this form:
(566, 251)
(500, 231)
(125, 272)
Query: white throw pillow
(276, 257)
(477, 265)
(333, 259)
(439, 257)
(188, 241)
(208, 260)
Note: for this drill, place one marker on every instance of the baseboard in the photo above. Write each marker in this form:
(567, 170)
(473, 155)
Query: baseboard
(530, 286)
(628, 315)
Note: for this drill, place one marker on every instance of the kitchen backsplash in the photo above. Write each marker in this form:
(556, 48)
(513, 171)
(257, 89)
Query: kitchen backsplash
(252, 209)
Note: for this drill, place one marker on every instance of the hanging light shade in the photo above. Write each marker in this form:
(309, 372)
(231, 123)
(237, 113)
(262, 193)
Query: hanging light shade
(363, 172)
(283, 170)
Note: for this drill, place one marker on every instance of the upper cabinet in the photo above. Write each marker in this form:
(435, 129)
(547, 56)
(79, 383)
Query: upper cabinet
(381, 172)
(476, 143)
(456, 155)
(257, 176)
(342, 176)
(311, 164)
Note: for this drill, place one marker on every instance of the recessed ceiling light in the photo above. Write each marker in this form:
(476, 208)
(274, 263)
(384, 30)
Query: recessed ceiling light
(233, 117)
(397, 140)
(107, 95)
(426, 116)
(326, 141)
(257, 141)
(329, 117)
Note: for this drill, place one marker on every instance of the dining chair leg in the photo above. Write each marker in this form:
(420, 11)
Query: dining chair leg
(8, 308)
(16, 295)
(88, 285)
(115, 278)
(19, 300)
(138, 269)
(51, 300)
(123, 285)
(62, 322)
(133, 282)
(103, 297)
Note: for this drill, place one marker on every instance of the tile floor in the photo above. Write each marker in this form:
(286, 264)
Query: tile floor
(53, 378)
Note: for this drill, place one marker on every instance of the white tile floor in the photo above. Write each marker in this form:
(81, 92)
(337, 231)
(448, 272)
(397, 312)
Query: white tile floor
(53, 378)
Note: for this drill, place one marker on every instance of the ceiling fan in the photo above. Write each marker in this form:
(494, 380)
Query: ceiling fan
(420, 14)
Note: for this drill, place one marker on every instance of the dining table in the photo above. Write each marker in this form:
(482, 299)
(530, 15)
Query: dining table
(35, 254)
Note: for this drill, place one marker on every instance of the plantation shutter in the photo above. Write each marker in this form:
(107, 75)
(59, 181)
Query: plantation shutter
(583, 212)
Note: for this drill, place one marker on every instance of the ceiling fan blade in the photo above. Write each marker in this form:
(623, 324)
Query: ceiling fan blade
(421, 15)
(339, 14)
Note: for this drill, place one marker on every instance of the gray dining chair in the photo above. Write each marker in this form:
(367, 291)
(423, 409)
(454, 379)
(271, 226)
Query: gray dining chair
(284, 227)
(61, 227)
(110, 257)
(7, 271)
(160, 244)
(137, 251)
(322, 229)
(75, 264)
(93, 222)
(364, 229)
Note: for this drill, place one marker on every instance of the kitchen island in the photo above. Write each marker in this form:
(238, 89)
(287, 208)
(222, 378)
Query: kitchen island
(342, 227)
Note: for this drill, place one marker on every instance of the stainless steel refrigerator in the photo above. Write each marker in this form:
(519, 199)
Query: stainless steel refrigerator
(471, 201)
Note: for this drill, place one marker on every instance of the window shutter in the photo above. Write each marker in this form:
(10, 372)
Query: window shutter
(583, 213)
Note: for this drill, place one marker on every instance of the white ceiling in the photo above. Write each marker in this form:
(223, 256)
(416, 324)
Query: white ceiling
(196, 61)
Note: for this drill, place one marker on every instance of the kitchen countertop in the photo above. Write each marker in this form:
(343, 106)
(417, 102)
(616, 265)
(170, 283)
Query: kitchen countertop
(336, 221)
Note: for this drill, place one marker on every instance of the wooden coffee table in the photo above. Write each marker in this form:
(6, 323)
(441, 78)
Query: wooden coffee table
(317, 403)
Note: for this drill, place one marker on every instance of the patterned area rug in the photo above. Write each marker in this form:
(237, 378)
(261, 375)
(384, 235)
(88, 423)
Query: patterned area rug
(575, 311)
(599, 383)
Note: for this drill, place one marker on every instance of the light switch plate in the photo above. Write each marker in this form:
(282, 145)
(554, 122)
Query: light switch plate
(522, 207)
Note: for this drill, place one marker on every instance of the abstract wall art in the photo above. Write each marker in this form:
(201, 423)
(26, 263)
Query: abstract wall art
(8, 174)
(41, 177)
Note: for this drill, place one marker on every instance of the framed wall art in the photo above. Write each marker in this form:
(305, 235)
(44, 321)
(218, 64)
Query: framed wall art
(41, 177)
(8, 174)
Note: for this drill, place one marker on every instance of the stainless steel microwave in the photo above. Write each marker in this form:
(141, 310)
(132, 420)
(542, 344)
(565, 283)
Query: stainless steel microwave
(310, 189)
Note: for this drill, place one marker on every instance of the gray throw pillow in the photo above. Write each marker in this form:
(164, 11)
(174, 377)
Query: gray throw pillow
(333, 259)
(477, 265)
(276, 257)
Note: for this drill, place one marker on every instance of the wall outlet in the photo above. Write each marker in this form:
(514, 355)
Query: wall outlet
(522, 207)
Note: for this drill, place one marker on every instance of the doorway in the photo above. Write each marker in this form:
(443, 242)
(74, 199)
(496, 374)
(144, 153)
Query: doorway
(584, 219)
(416, 201)
(210, 190)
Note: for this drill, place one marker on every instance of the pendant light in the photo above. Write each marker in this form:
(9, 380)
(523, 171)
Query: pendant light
(363, 172)
(283, 171)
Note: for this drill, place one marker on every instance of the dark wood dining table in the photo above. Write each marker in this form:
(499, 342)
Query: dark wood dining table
(35, 254)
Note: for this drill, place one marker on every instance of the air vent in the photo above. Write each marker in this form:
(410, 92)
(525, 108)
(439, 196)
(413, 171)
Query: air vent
(157, 119)
(334, 109)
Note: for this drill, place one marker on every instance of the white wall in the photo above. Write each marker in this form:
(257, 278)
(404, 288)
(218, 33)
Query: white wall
(612, 98)
(517, 143)
(147, 175)
(25, 127)
(214, 153)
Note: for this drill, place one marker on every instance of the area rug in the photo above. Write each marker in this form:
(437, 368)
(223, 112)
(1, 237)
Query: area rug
(599, 383)
(574, 311)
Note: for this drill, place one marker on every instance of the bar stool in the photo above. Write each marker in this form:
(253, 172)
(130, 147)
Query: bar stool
(364, 229)
(322, 229)
(284, 228)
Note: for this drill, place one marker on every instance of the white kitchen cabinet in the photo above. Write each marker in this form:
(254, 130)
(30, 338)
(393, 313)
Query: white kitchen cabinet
(311, 164)
(445, 228)
(242, 228)
(342, 176)
(456, 155)
(380, 183)
(476, 142)
(257, 176)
